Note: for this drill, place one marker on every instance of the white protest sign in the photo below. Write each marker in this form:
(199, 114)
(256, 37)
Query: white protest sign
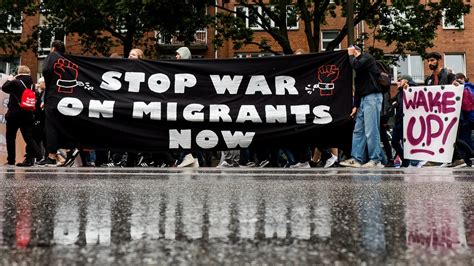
(430, 122)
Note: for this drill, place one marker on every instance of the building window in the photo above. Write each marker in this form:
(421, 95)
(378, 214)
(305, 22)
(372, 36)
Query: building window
(291, 18)
(451, 26)
(253, 20)
(46, 37)
(412, 65)
(14, 23)
(9, 66)
(242, 12)
(455, 63)
(327, 37)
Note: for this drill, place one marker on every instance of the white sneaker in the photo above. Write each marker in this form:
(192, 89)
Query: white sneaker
(188, 161)
(421, 164)
(331, 161)
(195, 164)
(373, 164)
(301, 165)
(351, 163)
(225, 164)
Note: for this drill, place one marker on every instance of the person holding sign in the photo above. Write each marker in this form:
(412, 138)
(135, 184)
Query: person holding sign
(397, 104)
(368, 105)
(439, 76)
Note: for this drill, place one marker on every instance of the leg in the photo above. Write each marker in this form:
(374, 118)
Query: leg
(11, 130)
(372, 111)
(358, 135)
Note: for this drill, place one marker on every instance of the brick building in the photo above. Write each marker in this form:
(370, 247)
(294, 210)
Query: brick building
(453, 43)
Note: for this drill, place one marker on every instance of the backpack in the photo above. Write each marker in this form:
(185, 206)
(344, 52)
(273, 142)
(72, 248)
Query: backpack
(467, 105)
(383, 78)
(28, 99)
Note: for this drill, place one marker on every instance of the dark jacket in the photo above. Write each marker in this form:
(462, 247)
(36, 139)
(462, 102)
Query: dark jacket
(15, 88)
(397, 102)
(444, 78)
(365, 83)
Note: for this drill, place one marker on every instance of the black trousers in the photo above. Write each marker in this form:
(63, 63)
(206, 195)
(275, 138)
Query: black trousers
(25, 124)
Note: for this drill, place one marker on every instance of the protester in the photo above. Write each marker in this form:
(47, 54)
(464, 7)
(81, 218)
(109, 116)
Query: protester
(54, 157)
(39, 133)
(188, 157)
(467, 110)
(368, 105)
(397, 105)
(463, 145)
(439, 76)
(18, 118)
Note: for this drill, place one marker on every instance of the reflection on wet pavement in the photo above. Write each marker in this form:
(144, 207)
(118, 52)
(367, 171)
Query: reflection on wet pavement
(123, 216)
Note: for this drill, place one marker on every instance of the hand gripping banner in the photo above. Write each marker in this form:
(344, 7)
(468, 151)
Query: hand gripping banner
(142, 105)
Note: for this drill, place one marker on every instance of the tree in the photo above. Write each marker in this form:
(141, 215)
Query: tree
(408, 25)
(11, 17)
(103, 24)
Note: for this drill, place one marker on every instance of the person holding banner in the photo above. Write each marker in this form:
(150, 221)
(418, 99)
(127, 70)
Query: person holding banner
(54, 157)
(18, 118)
(188, 159)
(367, 109)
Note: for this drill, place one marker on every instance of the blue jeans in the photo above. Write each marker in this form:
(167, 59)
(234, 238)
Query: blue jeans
(367, 129)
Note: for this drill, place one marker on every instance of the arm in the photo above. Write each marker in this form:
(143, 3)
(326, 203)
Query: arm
(360, 62)
(9, 86)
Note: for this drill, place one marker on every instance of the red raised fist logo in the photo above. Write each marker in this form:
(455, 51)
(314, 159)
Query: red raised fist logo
(67, 73)
(327, 74)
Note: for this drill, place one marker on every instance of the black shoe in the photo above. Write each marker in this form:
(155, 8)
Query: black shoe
(314, 164)
(70, 157)
(26, 163)
(47, 162)
(390, 163)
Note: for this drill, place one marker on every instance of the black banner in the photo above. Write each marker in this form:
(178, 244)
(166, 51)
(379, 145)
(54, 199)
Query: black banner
(142, 105)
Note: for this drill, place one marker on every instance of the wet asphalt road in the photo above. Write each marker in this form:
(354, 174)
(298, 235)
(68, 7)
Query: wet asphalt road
(86, 216)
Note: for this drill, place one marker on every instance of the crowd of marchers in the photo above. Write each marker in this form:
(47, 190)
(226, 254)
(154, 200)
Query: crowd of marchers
(377, 136)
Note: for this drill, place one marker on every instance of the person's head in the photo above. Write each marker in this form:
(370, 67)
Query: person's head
(433, 59)
(404, 79)
(115, 55)
(300, 51)
(136, 54)
(58, 46)
(40, 85)
(461, 78)
(23, 70)
(183, 53)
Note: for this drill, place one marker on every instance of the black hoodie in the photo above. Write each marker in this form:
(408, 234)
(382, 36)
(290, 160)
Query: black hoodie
(365, 83)
(15, 88)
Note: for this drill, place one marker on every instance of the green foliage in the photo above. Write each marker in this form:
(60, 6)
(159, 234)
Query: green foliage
(407, 25)
(11, 17)
(124, 22)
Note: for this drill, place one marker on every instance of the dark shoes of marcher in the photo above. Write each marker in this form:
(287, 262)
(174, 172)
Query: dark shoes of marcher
(70, 157)
(47, 162)
(27, 162)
